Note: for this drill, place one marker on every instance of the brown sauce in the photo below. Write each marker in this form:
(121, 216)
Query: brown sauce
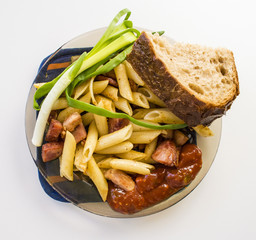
(160, 184)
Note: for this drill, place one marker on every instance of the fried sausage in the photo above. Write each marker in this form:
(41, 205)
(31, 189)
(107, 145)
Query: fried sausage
(51, 151)
(54, 131)
(72, 122)
(120, 178)
(79, 133)
(166, 153)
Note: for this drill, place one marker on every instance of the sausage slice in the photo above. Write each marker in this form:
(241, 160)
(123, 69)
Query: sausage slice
(120, 178)
(166, 153)
(51, 151)
(54, 131)
(72, 122)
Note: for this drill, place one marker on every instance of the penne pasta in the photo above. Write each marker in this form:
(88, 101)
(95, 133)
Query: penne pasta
(87, 118)
(123, 82)
(131, 166)
(111, 92)
(140, 100)
(132, 155)
(60, 103)
(203, 131)
(101, 122)
(144, 137)
(114, 138)
(105, 163)
(140, 113)
(99, 86)
(106, 103)
(96, 175)
(64, 114)
(90, 142)
(98, 157)
(163, 115)
(83, 88)
(79, 162)
(151, 97)
(122, 147)
(67, 159)
(132, 74)
(123, 105)
(137, 128)
(149, 149)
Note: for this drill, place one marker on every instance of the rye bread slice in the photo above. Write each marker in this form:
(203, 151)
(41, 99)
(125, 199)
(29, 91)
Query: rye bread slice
(198, 84)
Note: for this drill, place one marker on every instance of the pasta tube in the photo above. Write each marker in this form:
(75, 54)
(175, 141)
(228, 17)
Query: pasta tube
(67, 159)
(114, 138)
(123, 82)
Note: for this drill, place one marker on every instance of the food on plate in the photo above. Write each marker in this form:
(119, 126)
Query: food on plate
(198, 84)
(114, 124)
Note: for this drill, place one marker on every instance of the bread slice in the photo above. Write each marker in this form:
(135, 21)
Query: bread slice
(198, 84)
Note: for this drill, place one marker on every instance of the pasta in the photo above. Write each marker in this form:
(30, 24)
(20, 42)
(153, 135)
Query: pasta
(151, 97)
(91, 142)
(140, 100)
(98, 178)
(149, 149)
(131, 166)
(67, 160)
(106, 103)
(123, 82)
(101, 122)
(111, 92)
(114, 138)
(132, 155)
(162, 116)
(80, 162)
(137, 128)
(83, 88)
(123, 147)
(60, 103)
(69, 110)
(123, 105)
(144, 137)
(132, 74)
(87, 118)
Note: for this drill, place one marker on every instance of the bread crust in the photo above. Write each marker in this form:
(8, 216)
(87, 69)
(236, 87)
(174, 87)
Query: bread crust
(181, 102)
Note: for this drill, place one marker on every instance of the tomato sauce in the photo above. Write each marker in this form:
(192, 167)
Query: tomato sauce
(160, 184)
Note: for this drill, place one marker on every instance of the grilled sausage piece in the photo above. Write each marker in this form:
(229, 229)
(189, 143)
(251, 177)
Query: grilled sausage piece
(79, 133)
(51, 151)
(72, 122)
(54, 131)
(115, 124)
(120, 178)
(166, 153)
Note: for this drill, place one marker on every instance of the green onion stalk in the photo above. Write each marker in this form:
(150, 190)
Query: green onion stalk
(109, 52)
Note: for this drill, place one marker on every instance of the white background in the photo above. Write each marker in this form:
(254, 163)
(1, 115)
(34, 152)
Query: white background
(223, 206)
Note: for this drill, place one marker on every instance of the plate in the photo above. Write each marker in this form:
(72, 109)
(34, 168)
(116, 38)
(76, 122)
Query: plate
(82, 192)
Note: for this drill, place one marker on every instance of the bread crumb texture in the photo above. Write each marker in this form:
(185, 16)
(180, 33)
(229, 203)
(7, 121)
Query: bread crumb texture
(208, 74)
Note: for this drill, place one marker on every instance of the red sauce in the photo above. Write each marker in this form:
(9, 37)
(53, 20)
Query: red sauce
(160, 184)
